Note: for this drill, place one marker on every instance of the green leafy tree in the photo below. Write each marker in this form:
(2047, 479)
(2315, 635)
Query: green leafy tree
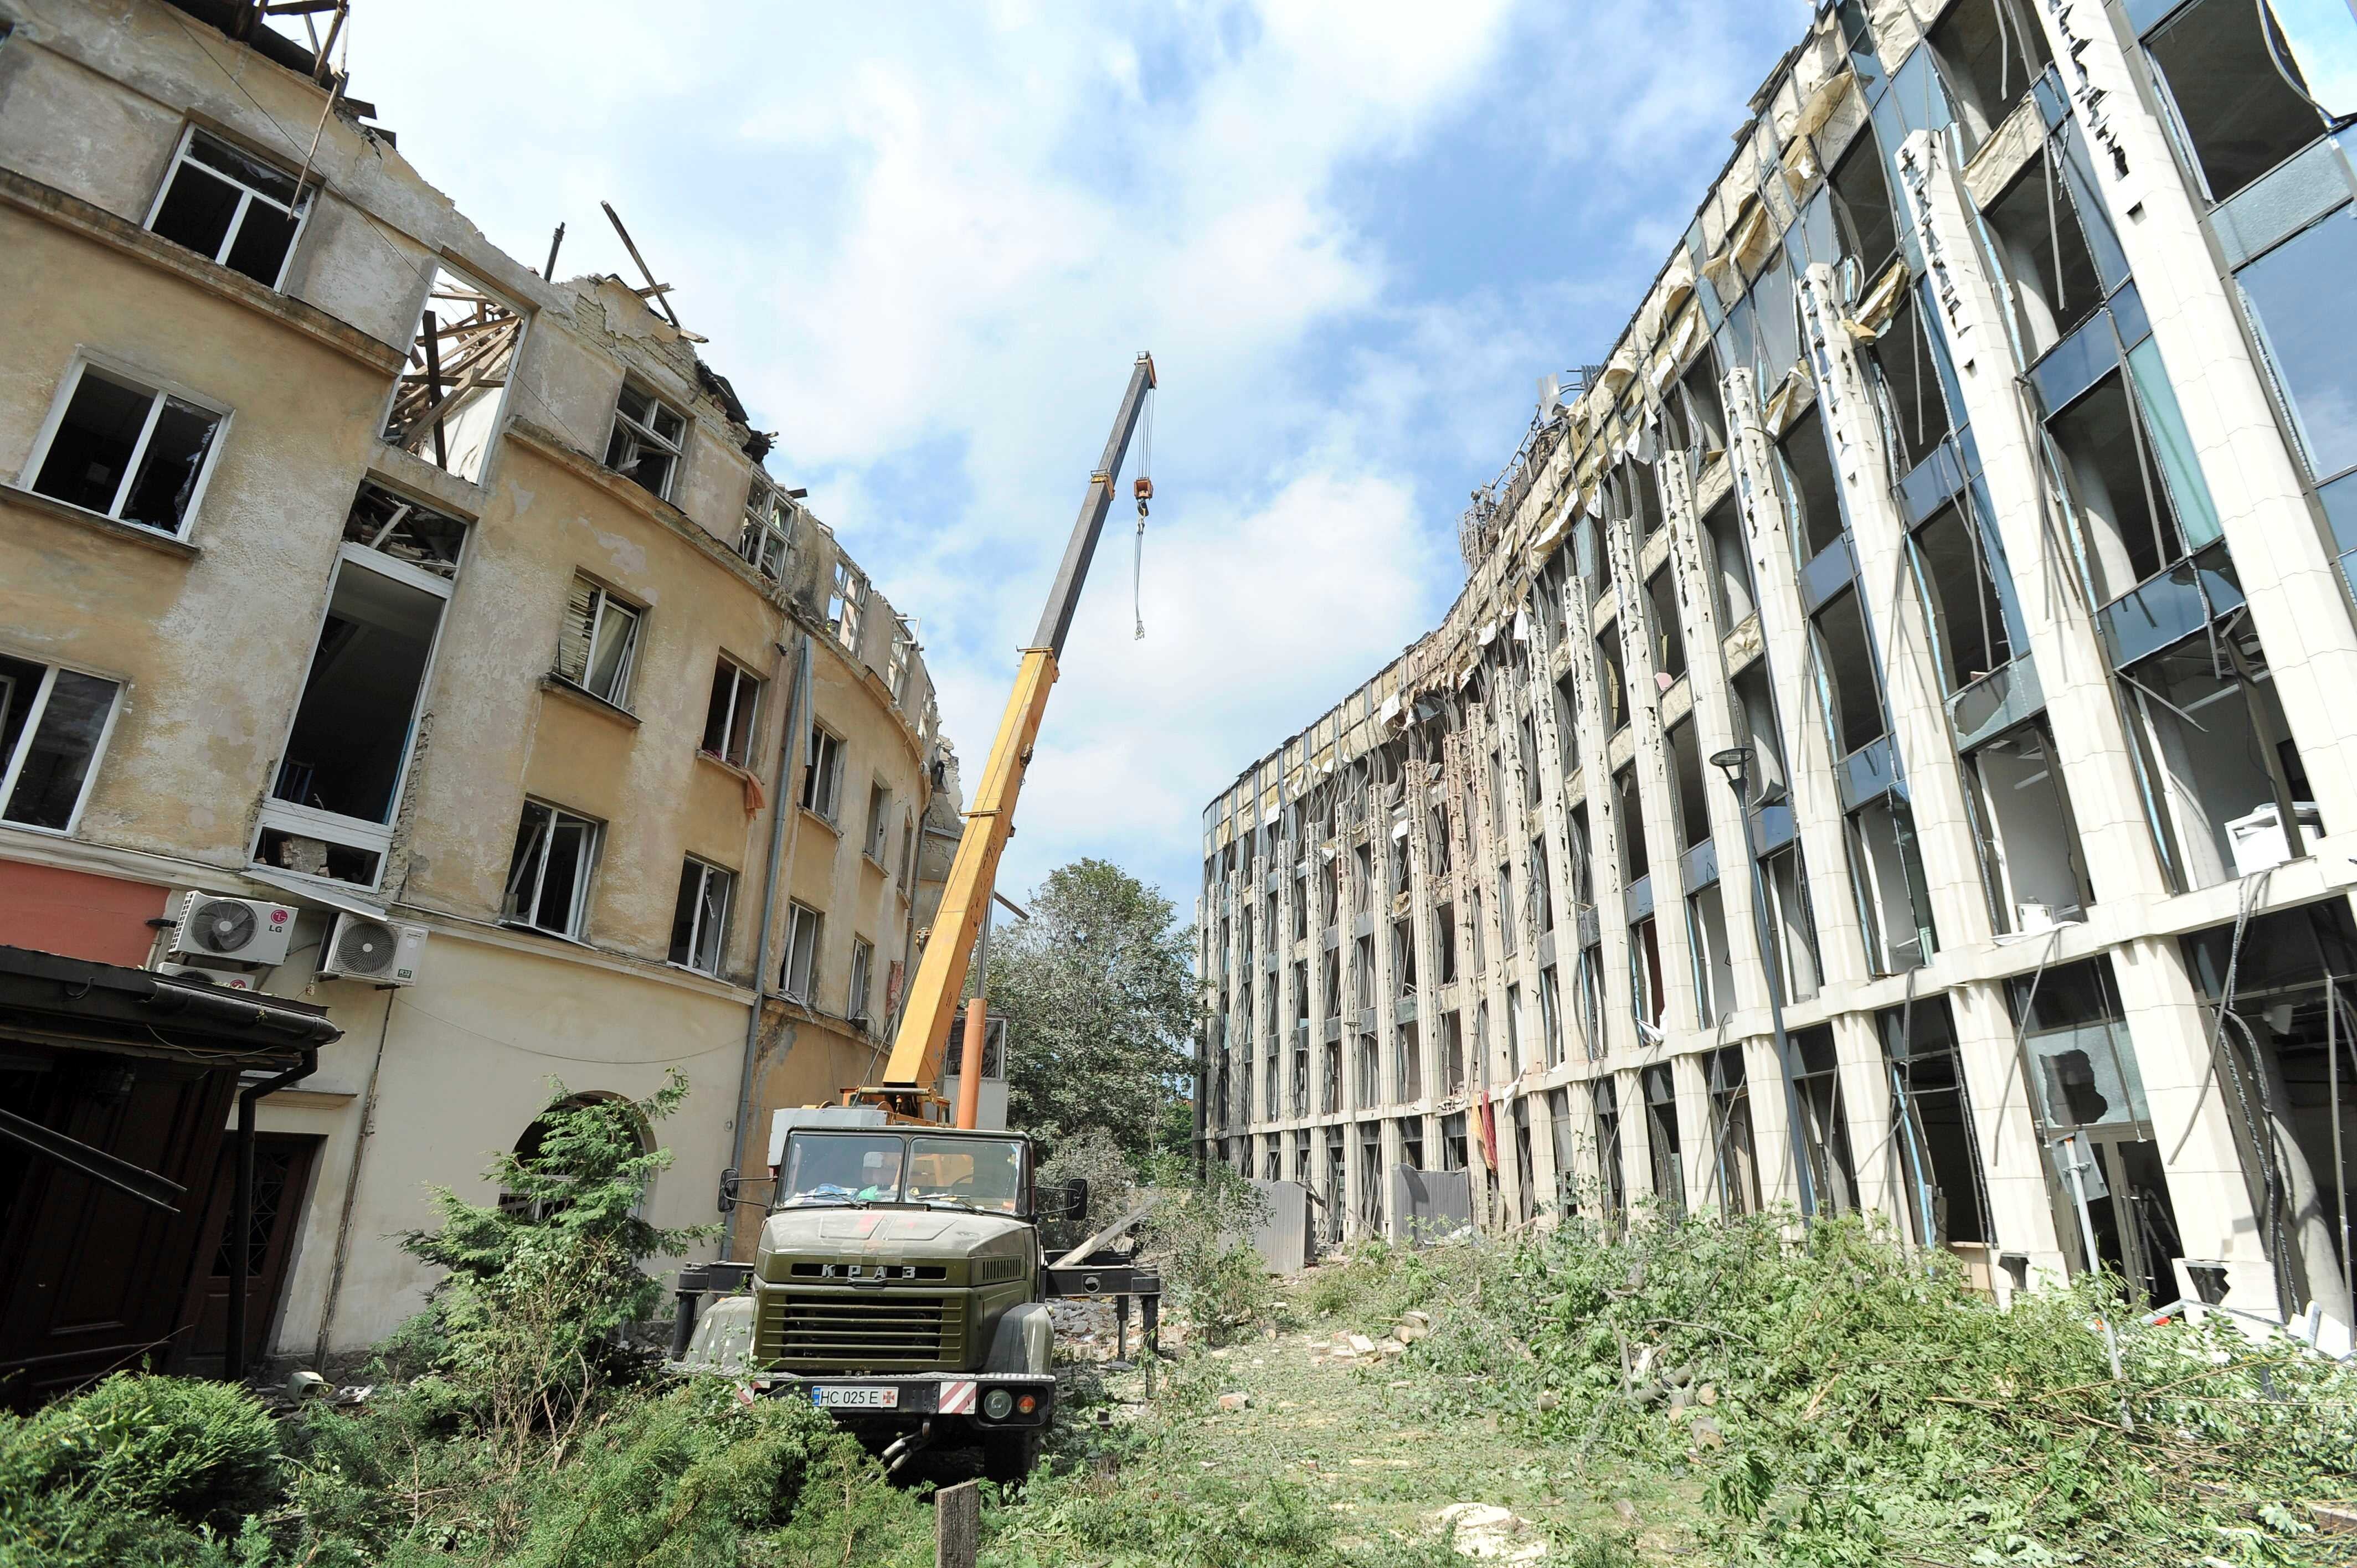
(1098, 992)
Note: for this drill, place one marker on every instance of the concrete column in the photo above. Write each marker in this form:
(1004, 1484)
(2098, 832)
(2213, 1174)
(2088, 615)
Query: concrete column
(1866, 1102)
(1772, 1123)
(2021, 1213)
(1695, 1146)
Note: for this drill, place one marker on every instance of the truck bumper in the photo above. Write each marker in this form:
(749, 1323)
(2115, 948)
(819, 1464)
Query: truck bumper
(916, 1397)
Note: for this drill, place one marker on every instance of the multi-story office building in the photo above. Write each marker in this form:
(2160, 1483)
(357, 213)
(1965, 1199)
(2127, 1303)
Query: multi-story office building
(1973, 485)
(355, 570)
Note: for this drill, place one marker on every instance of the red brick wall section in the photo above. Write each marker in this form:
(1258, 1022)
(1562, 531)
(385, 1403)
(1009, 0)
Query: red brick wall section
(77, 915)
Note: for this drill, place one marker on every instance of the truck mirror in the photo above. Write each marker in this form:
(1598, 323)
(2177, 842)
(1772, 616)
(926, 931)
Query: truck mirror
(728, 1180)
(1076, 1198)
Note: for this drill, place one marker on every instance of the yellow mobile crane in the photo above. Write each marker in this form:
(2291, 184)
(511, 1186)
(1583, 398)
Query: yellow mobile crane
(899, 1281)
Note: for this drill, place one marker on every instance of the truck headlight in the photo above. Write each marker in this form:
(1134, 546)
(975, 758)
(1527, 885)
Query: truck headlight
(997, 1404)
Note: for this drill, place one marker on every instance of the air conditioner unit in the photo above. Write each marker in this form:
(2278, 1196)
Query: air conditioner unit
(246, 930)
(379, 953)
(217, 978)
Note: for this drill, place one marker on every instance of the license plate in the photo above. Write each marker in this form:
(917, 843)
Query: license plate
(855, 1398)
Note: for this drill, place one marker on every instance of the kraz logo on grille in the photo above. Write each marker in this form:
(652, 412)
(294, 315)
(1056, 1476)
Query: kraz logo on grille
(868, 1272)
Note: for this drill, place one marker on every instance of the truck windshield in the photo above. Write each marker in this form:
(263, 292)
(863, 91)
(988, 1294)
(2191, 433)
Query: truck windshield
(842, 1168)
(976, 1173)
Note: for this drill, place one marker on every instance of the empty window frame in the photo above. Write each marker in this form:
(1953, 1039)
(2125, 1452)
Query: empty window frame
(1735, 1156)
(447, 400)
(822, 775)
(1604, 1103)
(1792, 926)
(1452, 1052)
(804, 927)
(648, 440)
(1662, 1136)
(1669, 648)
(858, 999)
(1690, 781)
(1714, 963)
(1756, 727)
(699, 924)
(1646, 991)
(2137, 500)
(1403, 957)
(548, 876)
(2215, 759)
(1703, 412)
(1734, 599)
(1824, 1122)
(1939, 1154)
(1611, 686)
(1989, 52)
(127, 449)
(879, 821)
(1566, 723)
(1407, 1063)
(53, 725)
(1887, 871)
(1811, 495)
(901, 659)
(846, 604)
(728, 720)
(1628, 813)
(2036, 230)
(1914, 374)
(1551, 1015)
(2029, 843)
(1513, 1031)
(767, 536)
(229, 205)
(1541, 899)
(1849, 686)
(1588, 983)
(2234, 87)
(1960, 574)
(2302, 307)
(600, 642)
(1862, 209)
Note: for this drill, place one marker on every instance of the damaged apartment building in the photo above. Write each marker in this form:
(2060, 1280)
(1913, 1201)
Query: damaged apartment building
(397, 641)
(1893, 750)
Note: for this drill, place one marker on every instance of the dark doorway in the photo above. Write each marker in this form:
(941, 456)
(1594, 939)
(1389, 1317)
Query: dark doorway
(282, 1186)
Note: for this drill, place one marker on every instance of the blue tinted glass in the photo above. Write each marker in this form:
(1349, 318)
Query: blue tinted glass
(2076, 363)
(2306, 312)
(2339, 499)
(1779, 331)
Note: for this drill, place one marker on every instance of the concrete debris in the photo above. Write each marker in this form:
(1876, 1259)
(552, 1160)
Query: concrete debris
(1361, 1344)
(1409, 1331)
(1626, 1509)
(1550, 1400)
(303, 1385)
(1707, 1395)
(1706, 1434)
(1233, 1401)
(1390, 1347)
(1421, 1319)
(1486, 1531)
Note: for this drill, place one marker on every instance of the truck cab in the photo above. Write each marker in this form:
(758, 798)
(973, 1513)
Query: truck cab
(899, 1283)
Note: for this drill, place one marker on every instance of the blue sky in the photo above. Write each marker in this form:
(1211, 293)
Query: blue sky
(925, 242)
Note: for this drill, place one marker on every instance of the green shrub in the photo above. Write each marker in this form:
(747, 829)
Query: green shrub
(1203, 1240)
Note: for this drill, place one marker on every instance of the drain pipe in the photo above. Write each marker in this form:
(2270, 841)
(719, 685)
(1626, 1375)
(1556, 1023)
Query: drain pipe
(241, 1225)
(782, 807)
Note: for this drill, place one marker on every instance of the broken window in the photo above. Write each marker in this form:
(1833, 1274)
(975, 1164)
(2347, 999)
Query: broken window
(699, 924)
(1714, 963)
(768, 533)
(1611, 687)
(1444, 940)
(1669, 638)
(879, 821)
(2138, 502)
(1989, 52)
(822, 775)
(1629, 812)
(1542, 880)
(1403, 956)
(2305, 310)
(1560, 1136)
(1551, 1015)
(447, 401)
(1369, 1088)
(1662, 1135)
(1606, 1106)
(1733, 597)
(1300, 908)
(2215, 759)
(1960, 573)
(1894, 902)
(1756, 727)
(1473, 908)
(1687, 781)
(2054, 284)
(648, 440)
(1583, 872)
(1810, 493)
(1408, 1063)
(52, 723)
(1938, 1154)
(1645, 974)
(1825, 1126)
(1775, 316)
(405, 531)
(728, 720)
(1566, 723)
(1452, 1055)
(1513, 1031)
(127, 450)
(1735, 1159)
(1705, 412)
(1510, 917)
(600, 642)
(230, 207)
(1846, 673)
(2241, 104)
(548, 876)
(1791, 927)
(799, 973)
(2028, 843)
(1526, 1197)
(1862, 209)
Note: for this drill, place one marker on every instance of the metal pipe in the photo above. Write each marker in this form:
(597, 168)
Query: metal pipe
(977, 1024)
(781, 807)
(240, 1224)
(361, 1137)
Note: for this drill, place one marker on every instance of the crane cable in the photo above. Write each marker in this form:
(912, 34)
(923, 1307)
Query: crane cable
(1142, 487)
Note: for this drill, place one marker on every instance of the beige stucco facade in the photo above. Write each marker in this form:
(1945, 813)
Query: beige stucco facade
(230, 753)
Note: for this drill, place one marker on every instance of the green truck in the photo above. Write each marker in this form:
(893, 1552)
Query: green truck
(900, 1284)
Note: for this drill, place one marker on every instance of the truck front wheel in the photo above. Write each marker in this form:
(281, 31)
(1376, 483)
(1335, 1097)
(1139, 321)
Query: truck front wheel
(1008, 1456)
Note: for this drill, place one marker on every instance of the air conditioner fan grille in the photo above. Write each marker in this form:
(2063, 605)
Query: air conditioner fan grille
(224, 926)
(365, 947)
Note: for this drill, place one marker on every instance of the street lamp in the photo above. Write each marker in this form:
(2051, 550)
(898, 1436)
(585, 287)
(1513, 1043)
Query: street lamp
(1736, 763)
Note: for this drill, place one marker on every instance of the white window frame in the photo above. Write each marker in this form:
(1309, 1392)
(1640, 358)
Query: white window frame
(645, 434)
(158, 388)
(767, 537)
(848, 603)
(903, 657)
(744, 678)
(592, 843)
(12, 766)
(801, 918)
(823, 786)
(606, 598)
(698, 935)
(300, 212)
(879, 840)
(863, 980)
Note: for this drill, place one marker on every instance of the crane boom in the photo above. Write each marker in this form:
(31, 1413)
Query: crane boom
(918, 1048)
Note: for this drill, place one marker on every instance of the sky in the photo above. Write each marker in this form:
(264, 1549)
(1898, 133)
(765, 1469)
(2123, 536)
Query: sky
(926, 243)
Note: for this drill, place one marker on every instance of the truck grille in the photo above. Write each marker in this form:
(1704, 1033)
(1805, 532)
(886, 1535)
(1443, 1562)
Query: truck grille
(862, 1331)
